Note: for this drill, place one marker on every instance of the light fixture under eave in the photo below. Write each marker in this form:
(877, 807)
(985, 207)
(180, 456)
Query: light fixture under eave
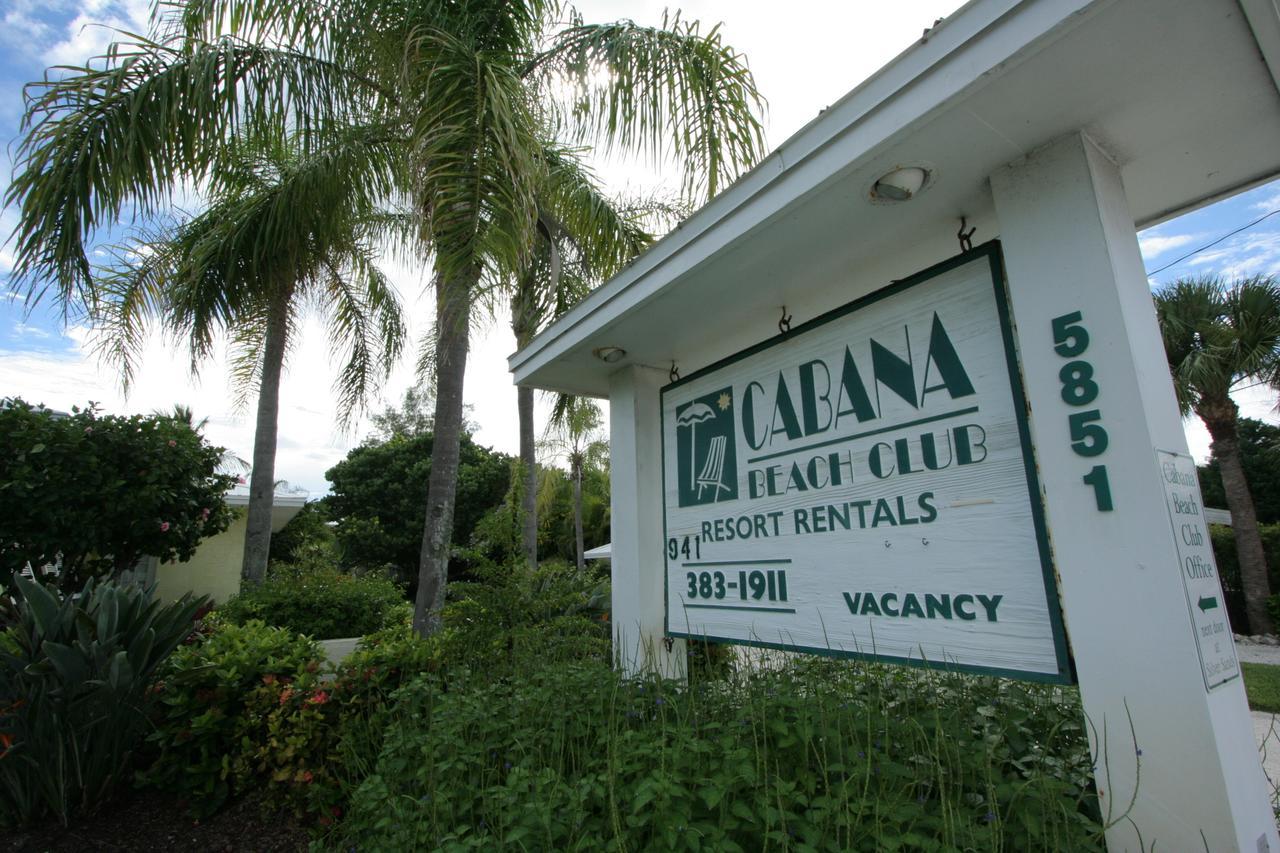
(609, 355)
(902, 184)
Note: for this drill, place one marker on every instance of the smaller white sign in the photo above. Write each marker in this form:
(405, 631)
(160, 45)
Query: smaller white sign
(1199, 570)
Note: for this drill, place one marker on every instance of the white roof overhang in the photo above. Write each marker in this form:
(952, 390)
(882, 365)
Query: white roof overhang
(1182, 94)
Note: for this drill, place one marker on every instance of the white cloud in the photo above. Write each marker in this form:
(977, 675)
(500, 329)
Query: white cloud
(1154, 245)
(97, 26)
(29, 331)
(1267, 203)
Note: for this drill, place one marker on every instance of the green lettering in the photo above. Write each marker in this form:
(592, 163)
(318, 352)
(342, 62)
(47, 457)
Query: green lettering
(884, 604)
(785, 409)
(809, 396)
(852, 601)
(852, 388)
(883, 513)
(938, 605)
(869, 605)
(911, 606)
(967, 615)
(943, 353)
(894, 372)
(990, 603)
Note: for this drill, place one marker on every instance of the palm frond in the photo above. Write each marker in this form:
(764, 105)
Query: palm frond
(123, 131)
(667, 91)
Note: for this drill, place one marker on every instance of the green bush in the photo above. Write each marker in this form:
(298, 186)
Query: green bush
(73, 692)
(97, 492)
(1224, 553)
(514, 614)
(318, 601)
(821, 755)
(210, 723)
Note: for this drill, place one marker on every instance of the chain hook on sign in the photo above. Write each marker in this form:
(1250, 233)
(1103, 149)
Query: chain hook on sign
(673, 374)
(784, 323)
(965, 237)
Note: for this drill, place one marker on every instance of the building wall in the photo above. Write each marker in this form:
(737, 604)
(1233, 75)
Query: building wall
(214, 569)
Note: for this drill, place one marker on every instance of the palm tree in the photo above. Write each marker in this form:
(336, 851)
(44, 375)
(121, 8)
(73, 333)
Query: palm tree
(583, 238)
(467, 94)
(1218, 335)
(574, 432)
(250, 265)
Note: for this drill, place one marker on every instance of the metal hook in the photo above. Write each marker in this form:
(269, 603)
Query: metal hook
(668, 642)
(784, 324)
(965, 237)
(888, 544)
(673, 374)
(924, 542)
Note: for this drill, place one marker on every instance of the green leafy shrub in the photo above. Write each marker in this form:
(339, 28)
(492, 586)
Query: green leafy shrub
(318, 601)
(1224, 553)
(74, 672)
(210, 722)
(99, 491)
(513, 614)
(821, 755)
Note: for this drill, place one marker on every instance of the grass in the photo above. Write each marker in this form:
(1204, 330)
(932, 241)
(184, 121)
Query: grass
(1262, 686)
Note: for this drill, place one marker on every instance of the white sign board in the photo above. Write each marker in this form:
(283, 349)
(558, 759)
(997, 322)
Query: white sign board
(864, 486)
(1198, 569)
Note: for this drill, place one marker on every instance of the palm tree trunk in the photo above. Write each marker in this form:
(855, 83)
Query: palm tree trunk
(523, 325)
(1221, 423)
(529, 473)
(262, 480)
(453, 314)
(577, 512)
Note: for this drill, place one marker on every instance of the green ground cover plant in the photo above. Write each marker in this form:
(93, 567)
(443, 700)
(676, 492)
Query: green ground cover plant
(510, 729)
(817, 755)
(1262, 685)
(74, 676)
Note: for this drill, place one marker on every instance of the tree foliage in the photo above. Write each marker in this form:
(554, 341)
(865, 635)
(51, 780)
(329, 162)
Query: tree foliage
(377, 498)
(1217, 336)
(1260, 457)
(99, 492)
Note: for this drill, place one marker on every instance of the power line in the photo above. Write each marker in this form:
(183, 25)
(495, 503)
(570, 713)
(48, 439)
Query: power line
(1214, 243)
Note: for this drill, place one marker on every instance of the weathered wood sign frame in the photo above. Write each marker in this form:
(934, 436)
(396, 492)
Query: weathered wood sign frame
(808, 506)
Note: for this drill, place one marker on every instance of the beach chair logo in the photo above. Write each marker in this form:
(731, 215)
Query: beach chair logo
(706, 453)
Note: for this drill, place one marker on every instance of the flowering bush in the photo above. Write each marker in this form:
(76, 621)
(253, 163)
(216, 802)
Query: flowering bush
(97, 492)
(215, 701)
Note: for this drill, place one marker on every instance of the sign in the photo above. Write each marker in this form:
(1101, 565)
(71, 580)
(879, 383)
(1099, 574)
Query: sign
(864, 486)
(1198, 569)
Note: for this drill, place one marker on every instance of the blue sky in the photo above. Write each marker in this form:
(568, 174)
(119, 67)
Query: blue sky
(43, 359)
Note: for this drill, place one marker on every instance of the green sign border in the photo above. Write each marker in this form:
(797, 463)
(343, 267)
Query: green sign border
(991, 252)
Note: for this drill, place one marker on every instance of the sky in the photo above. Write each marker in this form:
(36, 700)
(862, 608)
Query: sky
(802, 61)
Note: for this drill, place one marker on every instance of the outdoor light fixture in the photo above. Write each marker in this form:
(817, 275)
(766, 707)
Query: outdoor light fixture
(902, 184)
(609, 355)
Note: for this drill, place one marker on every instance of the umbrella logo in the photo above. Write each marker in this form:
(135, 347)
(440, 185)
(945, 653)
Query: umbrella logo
(706, 451)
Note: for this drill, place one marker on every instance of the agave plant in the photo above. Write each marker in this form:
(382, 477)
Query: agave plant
(74, 672)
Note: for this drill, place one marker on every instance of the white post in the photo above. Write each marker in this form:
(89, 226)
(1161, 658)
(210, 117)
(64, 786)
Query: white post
(635, 473)
(1069, 245)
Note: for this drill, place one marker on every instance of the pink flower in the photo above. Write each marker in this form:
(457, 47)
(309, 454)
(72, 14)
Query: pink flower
(204, 514)
(164, 527)
(88, 430)
(319, 698)
(173, 443)
(240, 480)
(306, 776)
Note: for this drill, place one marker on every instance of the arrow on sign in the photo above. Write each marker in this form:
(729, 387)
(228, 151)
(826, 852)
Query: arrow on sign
(1207, 603)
